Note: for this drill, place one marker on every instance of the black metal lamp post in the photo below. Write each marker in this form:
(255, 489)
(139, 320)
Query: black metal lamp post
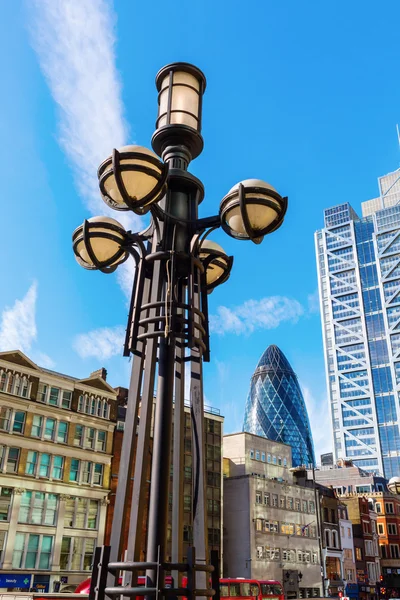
(176, 267)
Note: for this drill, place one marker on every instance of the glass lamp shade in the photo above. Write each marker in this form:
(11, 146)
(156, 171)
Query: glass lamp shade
(180, 87)
(216, 263)
(394, 485)
(97, 244)
(251, 209)
(180, 93)
(132, 178)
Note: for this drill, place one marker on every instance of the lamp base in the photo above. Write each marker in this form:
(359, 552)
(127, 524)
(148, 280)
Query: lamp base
(177, 135)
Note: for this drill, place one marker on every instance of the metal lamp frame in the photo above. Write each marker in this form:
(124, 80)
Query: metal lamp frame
(87, 232)
(113, 166)
(243, 202)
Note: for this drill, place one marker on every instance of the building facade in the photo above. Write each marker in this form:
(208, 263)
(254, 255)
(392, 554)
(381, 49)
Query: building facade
(56, 435)
(213, 428)
(275, 406)
(346, 478)
(347, 543)
(332, 564)
(362, 514)
(387, 508)
(270, 521)
(358, 262)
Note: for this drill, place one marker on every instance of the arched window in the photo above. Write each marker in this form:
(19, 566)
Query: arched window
(328, 538)
(105, 409)
(10, 383)
(25, 387)
(3, 379)
(17, 386)
(334, 539)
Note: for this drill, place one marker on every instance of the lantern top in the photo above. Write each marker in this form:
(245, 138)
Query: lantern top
(180, 67)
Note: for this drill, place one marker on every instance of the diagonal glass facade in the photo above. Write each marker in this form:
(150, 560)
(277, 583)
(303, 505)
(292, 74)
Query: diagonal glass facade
(358, 264)
(275, 406)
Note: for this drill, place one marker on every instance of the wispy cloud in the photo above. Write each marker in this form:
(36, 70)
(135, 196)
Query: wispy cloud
(102, 343)
(18, 329)
(18, 323)
(74, 41)
(320, 421)
(266, 313)
(313, 302)
(43, 360)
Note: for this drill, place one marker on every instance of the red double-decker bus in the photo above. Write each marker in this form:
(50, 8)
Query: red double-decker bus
(266, 589)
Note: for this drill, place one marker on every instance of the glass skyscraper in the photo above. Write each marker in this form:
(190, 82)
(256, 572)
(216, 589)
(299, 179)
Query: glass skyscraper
(358, 262)
(275, 407)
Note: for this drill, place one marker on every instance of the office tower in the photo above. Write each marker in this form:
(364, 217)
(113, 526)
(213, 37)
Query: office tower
(358, 262)
(275, 406)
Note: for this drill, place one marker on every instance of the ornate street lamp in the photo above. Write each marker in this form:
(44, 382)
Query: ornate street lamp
(177, 266)
(394, 485)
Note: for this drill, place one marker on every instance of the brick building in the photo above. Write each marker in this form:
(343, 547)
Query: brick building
(56, 435)
(387, 508)
(364, 521)
(213, 442)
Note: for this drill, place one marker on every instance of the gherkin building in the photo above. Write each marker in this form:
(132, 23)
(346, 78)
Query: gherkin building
(275, 407)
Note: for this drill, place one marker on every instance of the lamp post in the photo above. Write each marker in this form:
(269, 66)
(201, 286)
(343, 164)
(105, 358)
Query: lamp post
(177, 266)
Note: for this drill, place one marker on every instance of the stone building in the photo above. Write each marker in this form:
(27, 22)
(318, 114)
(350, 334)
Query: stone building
(213, 436)
(270, 521)
(346, 539)
(332, 553)
(56, 435)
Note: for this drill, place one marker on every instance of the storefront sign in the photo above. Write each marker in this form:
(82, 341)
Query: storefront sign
(12, 580)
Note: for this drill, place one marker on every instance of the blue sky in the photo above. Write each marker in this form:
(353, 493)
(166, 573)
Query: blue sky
(304, 95)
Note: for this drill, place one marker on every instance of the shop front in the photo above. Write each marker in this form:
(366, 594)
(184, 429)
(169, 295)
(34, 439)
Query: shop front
(351, 590)
(15, 582)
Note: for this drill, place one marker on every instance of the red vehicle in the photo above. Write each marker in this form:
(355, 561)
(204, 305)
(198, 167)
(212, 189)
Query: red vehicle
(251, 588)
(229, 588)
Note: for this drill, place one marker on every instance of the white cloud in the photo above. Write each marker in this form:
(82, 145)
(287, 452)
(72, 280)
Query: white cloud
(18, 324)
(18, 329)
(320, 421)
(266, 313)
(43, 360)
(75, 40)
(313, 302)
(102, 343)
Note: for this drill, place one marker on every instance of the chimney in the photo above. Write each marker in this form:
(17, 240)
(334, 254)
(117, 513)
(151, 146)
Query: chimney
(100, 373)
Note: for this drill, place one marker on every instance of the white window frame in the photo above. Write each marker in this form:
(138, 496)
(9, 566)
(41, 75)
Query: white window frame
(392, 526)
(5, 457)
(31, 508)
(77, 500)
(39, 551)
(387, 511)
(49, 476)
(71, 550)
